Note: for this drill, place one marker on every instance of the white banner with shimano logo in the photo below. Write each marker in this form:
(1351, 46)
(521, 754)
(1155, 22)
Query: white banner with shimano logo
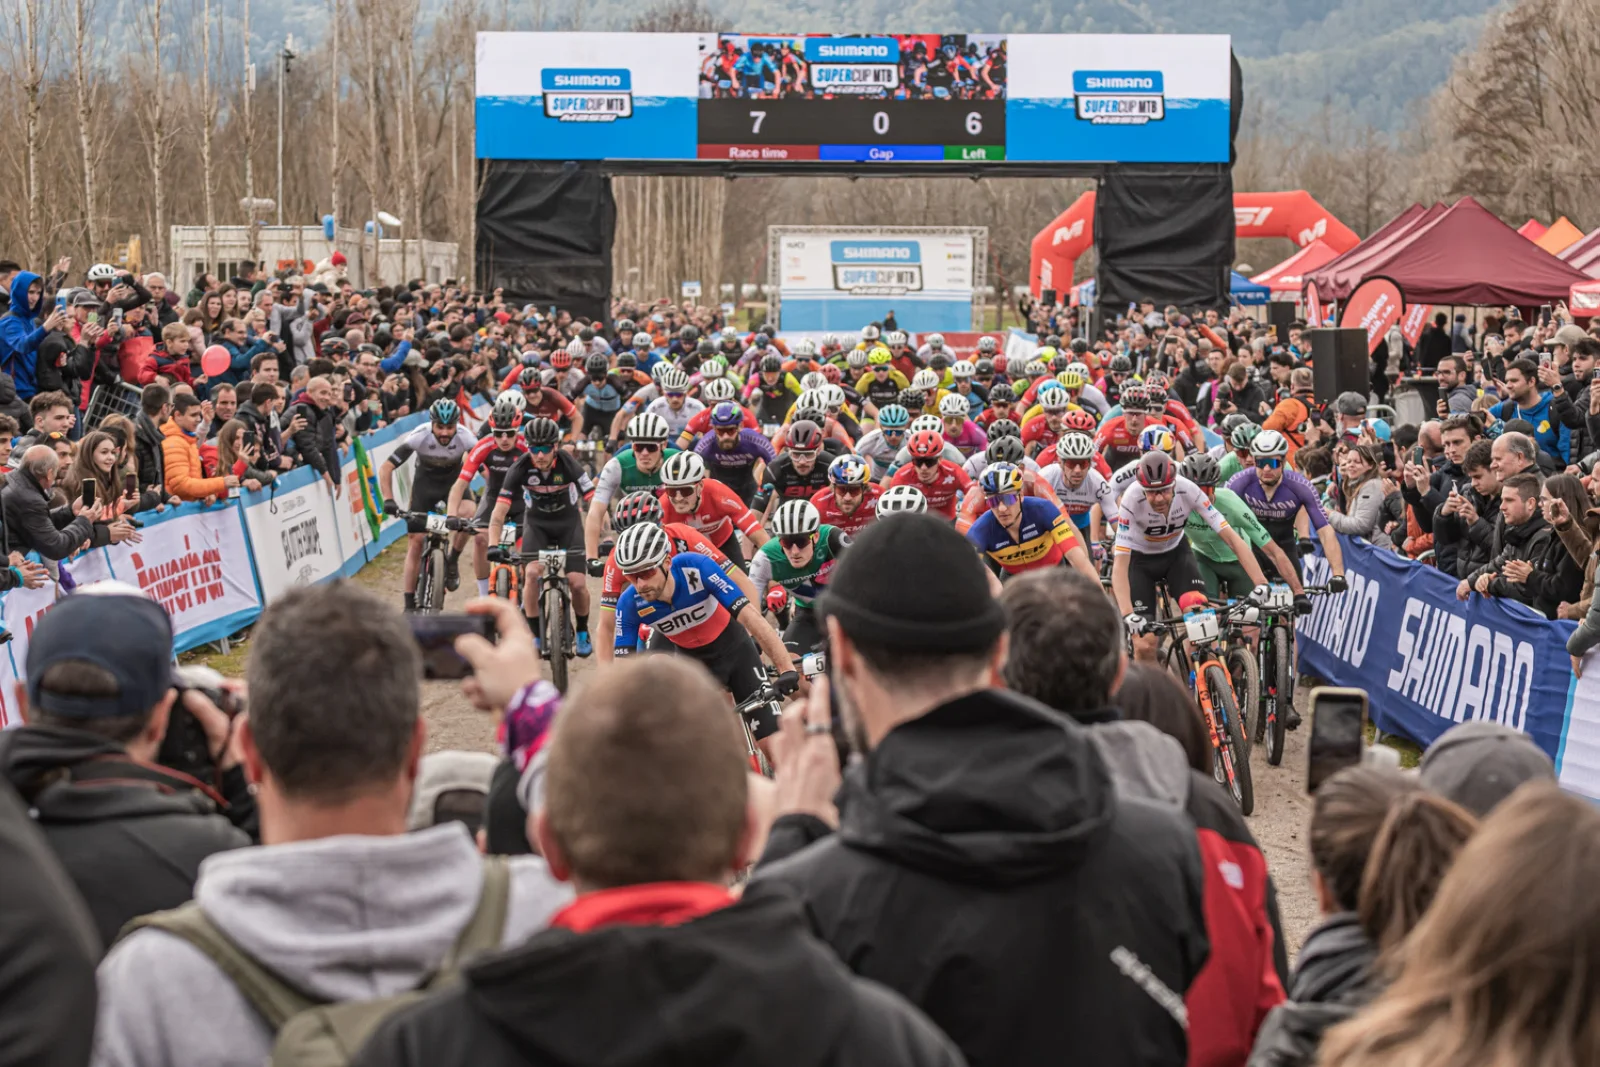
(838, 280)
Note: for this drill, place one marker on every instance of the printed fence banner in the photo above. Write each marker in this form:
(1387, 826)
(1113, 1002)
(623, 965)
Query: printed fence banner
(294, 534)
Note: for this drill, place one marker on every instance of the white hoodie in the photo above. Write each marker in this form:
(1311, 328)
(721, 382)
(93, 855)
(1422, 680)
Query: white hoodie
(341, 918)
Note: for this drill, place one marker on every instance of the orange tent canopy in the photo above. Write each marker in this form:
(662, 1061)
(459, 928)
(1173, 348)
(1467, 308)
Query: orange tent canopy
(1561, 235)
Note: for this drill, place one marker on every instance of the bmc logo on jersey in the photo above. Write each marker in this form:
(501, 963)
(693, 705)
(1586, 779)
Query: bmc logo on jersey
(686, 618)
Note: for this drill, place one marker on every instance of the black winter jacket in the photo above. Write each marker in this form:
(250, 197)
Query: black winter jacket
(131, 835)
(746, 984)
(316, 446)
(13, 405)
(1332, 981)
(1529, 541)
(1471, 546)
(32, 525)
(147, 454)
(986, 869)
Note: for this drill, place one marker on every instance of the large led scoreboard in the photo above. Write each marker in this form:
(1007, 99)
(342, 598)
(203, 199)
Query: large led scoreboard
(754, 99)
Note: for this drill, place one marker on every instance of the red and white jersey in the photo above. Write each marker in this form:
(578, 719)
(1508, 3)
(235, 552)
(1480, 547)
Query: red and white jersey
(719, 512)
(680, 538)
(857, 520)
(943, 491)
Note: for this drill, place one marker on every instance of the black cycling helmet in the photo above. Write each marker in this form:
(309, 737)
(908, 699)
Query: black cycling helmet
(1121, 364)
(688, 335)
(541, 432)
(530, 377)
(804, 435)
(597, 365)
(1059, 361)
(625, 326)
(772, 363)
(586, 334)
(1006, 449)
(1230, 424)
(1001, 393)
(1201, 469)
(706, 347)
(1004, 428)
(1156, 470)
(983, 368)
(627, 361)
(939, 361)
(1079, 346)
(912, 399)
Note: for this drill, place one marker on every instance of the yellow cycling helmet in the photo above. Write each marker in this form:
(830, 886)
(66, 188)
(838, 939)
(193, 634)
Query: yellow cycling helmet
(1071, 379)
(1045, 355)
(878, 356)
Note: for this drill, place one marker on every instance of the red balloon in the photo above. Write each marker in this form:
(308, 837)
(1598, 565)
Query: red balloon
(215, 360)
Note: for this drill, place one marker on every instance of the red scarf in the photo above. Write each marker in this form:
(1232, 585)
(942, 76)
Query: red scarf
(651, 904)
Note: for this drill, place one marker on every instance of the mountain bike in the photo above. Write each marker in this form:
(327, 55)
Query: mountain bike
(430, 589)
(557, 634)
(505, 577)
(1207, 674)
(1274, 659)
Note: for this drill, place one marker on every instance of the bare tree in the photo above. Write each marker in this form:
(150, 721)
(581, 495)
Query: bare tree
(208, 131)
(251, 214)
(28, 44)
(82, 15)
(335, 17)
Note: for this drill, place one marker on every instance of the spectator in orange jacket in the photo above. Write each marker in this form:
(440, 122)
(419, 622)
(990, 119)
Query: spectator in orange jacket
(180, 454)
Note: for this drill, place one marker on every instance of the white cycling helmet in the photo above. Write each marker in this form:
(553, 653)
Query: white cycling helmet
(713, 368)
(513, 401)
(1269, 444)
(102, 272)
(795, 518)
(577, 349)
(1035, 368)
(648, 426)
(987, 345)
(1075, 445)
(685, 468)
(1057, 399)
(674, 381)
(813, 380)
(830, 340)
(902, 500)
(832, 396)
(717, 390)
(659, 369)
(925, 380)
(805, 347)
(857, 359)
(963, 369)
(1081, 370)
(869, 333)
(643, 546)
(954, 406)
(925, 422)
(936, 341)
(894, 338)
(729, 334)
(810, 400)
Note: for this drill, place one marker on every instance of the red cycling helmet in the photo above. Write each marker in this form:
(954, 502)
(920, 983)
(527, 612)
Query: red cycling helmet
(926, 444)
(1156, 471)
(561, 359)
(1000, 363)
(832, 372)
(804, 436)
(1081, 421)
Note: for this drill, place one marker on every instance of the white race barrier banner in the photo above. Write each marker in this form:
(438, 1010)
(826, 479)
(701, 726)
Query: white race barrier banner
(293, 532)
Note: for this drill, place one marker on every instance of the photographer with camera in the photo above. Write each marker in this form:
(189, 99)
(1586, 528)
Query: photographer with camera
(103, 724)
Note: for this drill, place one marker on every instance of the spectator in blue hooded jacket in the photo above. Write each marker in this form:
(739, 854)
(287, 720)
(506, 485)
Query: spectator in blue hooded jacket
(20, 335)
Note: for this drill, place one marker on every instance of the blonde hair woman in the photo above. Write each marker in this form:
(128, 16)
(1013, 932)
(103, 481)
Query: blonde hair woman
(1504, 969)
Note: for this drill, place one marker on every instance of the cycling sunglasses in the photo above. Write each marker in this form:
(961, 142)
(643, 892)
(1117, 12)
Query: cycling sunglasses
(795, 540)
(541, 450)
(1076, 464)
(683, 490)
(880, 368)
(502, 435)
(931, 461)
(1008, 500)
(848, 490)
(728, 431)
(646, 446)
(675, 395)
(807, 454)
(893, 433)
(1269, 462)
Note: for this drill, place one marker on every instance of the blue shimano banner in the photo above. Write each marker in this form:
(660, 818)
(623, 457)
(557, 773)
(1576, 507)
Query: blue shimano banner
(1429, 661)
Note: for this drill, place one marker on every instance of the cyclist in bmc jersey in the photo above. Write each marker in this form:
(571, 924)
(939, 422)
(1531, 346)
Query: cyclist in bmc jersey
(799, 557)
(554, 486)
(440, 446)
(1023, 533)
(691, 604)
(1151, 549)
(495, 456)
(643, 506)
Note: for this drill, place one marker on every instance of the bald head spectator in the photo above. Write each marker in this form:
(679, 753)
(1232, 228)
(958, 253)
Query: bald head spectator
(32, 525)
(646, 810)
(316, 445)
(1512, 453)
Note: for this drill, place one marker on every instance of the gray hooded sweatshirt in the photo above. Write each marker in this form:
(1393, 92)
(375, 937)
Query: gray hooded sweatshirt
(1145, 763)
(342, 918)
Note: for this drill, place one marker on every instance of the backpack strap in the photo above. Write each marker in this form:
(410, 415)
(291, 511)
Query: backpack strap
(487, 926)
(273, 998)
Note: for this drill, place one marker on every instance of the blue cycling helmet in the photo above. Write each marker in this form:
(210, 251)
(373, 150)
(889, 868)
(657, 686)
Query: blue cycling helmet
(849, 469)
(727, 414)
(893, 417)
(1000, 478)
(444, 412)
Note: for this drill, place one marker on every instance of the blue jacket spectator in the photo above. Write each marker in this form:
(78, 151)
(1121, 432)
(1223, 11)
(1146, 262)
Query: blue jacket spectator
(1525, 400)
(20, 334)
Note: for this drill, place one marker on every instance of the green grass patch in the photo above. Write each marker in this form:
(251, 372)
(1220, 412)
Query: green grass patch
(1410, 754)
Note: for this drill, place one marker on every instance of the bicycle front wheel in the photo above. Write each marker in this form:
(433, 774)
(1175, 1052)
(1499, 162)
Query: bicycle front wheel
(557, 633)
(1285, 693)
(1246, 688)
(502, 583)
(1232, 757)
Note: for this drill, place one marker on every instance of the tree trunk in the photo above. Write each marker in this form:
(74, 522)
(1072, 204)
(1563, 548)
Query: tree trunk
(333, 96)
(375, 270)
(414, 220)
(33, 79)
(158, 139)
(80, 48)
(249, 145)
(208, 105)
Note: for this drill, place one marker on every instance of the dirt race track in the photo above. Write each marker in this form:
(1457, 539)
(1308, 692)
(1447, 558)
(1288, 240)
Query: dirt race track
(1282, 808)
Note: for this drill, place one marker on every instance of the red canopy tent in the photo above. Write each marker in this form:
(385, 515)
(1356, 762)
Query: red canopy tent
(1289, 276)
(1462, 254)
(1533, 229)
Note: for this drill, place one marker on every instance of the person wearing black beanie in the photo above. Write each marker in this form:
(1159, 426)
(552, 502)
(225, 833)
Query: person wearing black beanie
(984, 865)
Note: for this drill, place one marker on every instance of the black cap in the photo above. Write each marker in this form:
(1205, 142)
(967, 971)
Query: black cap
(129, 636)
(912, 582)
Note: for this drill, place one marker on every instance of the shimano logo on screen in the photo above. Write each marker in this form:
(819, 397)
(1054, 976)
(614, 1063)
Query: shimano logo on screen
(877, 253)
(1119, 97)
(851, 50)
(603, 95)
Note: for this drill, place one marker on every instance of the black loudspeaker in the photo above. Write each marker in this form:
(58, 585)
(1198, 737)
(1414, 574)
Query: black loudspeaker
(1047, 297)
(1340, 363)
(1280, 313)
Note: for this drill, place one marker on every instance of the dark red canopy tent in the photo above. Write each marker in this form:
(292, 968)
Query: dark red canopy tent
(1462, 255)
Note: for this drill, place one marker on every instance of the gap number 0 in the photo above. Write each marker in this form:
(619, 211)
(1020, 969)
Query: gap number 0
(880, 123)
